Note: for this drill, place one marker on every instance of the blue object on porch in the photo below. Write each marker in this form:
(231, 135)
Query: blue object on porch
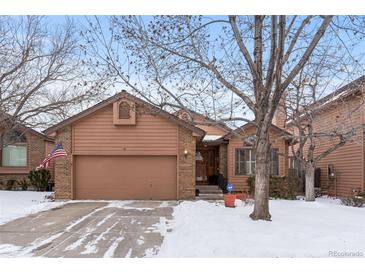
(229, 187)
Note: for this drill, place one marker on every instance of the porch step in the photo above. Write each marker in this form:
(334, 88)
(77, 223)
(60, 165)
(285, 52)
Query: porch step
(210, 196)
(207, 187)
(209, 192)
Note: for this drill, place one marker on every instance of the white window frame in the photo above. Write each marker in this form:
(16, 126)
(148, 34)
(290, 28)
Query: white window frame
(25, 145)
(249, 161)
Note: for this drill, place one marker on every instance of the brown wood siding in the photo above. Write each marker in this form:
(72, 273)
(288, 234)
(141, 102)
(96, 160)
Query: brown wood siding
(347, 160)
(96, 135)
(210, 130)
(240, 181)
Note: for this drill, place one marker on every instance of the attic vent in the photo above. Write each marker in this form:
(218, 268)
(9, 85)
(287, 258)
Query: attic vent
(124, 111)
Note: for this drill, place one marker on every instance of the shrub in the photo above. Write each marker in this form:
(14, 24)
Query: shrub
(39, 179)
(279, 188)
(10, 184)
(24, 184)
(251, 185)
(357, 200)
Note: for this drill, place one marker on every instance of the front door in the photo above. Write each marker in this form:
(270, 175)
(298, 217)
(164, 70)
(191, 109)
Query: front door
(208, 166)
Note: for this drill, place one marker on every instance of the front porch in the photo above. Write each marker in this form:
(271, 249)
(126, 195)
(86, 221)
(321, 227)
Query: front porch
(211, 160)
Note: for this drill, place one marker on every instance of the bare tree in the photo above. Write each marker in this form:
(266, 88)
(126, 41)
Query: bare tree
(305, 107)
(41, 75)
(233, 68)
(333, 65)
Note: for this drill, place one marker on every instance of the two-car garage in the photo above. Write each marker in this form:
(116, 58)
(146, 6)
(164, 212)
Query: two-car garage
(125, 177)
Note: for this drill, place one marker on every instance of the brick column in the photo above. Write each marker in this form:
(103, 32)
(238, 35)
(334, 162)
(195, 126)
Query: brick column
(63, 165)
(186, 164)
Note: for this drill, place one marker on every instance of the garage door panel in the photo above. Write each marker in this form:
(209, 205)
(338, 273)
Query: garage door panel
(125, 177)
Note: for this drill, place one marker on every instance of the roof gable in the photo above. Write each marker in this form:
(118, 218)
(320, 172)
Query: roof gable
(24, 128)
(118, 97)
(342, 93)
(240, 131)
(200, 119)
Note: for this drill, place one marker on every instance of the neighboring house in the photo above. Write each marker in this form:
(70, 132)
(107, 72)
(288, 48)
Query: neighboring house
(23, 150)
(341, 172)
(125, 148)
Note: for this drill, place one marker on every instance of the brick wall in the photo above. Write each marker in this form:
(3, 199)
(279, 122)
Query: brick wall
(223, 159)
(186, 164)
(63, 165)
(279, 118)
(36, 150)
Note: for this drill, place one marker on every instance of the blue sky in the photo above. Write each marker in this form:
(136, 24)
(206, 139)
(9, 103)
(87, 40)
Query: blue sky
(356, 53)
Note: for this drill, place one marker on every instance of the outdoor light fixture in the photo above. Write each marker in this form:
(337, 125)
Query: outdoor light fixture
(185, 152)
(198, 156)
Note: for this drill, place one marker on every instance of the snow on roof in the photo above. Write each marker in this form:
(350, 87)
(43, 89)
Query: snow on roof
(211, 137)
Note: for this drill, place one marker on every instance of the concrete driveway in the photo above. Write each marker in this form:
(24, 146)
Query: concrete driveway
(89, 229)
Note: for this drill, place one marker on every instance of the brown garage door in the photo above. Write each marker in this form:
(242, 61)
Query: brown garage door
(125, 177)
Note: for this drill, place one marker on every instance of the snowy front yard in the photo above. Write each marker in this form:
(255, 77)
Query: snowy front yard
(16, 204)
(298, 229)
(195, 229)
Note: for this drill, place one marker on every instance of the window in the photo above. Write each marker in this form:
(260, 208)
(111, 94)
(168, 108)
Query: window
(14, 150)
(330, 170)
(245, 161)
(274, 162)
(14, 155)
(124, 111)
(294, 167)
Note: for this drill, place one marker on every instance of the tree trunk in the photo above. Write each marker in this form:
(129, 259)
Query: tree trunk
(309, 183)
(261, 207)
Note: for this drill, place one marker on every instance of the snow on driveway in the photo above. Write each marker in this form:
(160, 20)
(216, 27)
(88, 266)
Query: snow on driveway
(297, 229)
(16, 204)
(89, 229)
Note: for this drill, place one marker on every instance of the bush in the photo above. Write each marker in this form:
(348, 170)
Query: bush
(280, 187)
(39, 179)
(355, 201)
(24, 184)
(10, 184)
(251, 185)
(358, 200)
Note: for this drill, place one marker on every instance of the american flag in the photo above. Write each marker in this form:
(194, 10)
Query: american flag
(58, 151)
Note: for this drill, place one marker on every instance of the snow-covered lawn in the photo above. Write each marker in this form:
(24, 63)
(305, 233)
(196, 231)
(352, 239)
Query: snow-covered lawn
(206, 229)
(297, 229)
(16, 204)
